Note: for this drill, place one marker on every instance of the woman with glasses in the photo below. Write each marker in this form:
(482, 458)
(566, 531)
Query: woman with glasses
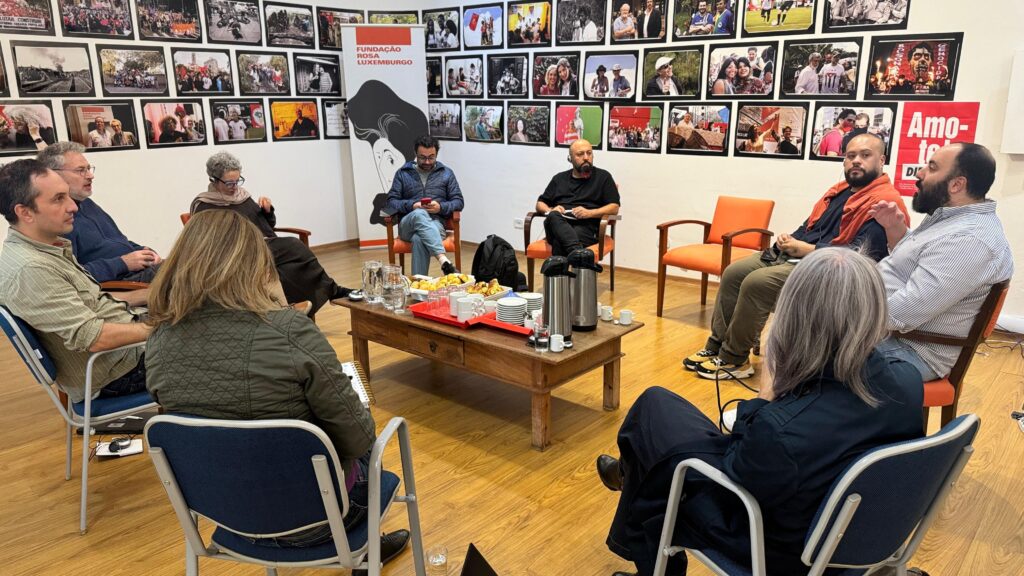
(302, 276)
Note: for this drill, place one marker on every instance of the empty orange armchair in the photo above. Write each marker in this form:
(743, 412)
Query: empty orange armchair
(452, 241)
(738, 229)
(541, 250)
(302, 234)
(945, 392)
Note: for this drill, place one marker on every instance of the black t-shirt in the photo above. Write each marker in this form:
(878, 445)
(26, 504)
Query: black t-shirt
(595, 192)
(871, 234)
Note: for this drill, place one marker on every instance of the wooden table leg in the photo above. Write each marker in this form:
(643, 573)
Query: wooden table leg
(361, 352)
(541, 419)
(611, 384)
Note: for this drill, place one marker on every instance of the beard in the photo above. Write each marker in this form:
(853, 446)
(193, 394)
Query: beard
(866, 177)
(584, 168)
(930, 198)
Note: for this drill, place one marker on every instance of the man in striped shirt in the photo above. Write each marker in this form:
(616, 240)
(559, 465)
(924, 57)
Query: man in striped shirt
(41, 282)
(937, 275)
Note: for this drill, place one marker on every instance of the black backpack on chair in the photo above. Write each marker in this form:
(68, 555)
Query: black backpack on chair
(495, 258)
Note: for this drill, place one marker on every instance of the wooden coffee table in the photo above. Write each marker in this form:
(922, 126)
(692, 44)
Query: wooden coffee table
(495, 353)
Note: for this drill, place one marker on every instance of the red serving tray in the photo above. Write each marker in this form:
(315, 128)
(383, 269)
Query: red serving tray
(423, 310)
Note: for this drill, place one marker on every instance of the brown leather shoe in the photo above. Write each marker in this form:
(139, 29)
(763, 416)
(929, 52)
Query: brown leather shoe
(610, 472)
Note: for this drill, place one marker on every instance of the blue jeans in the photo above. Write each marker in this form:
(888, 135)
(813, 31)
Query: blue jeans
(900, 350)
(426, 232)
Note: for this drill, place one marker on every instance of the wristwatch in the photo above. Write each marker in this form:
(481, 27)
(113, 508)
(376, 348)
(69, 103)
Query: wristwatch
(38, 140)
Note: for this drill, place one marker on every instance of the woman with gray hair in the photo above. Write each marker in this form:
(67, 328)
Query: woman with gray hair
(829, 397)
(302, 276)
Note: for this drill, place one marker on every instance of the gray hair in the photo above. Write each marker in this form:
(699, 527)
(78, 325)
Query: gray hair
(220, 163)
(831, 313)
(26, 115)
(53, 155)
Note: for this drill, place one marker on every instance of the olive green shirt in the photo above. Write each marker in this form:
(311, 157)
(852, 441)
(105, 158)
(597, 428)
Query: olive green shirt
(45, 286)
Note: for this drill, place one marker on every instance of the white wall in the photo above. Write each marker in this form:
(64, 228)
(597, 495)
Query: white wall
(311, 183)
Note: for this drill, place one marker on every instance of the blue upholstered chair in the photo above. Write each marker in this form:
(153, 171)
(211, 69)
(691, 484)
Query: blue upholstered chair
(270, 478)
(876, 513)
(84, 415)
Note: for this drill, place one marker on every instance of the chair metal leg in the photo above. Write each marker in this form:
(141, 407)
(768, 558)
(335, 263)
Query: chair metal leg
(86, 433)
(68, 435)
(271, 571)
(191, 560)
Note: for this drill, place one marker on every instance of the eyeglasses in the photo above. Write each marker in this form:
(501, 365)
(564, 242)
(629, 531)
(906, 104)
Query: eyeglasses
(426, 158)
(232, 183)
(80, 171)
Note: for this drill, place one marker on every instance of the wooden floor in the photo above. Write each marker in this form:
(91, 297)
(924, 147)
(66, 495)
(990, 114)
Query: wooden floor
(531, 513)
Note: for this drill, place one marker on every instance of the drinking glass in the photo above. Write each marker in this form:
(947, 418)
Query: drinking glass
(437, 561)
(373, 286)
(540, 335)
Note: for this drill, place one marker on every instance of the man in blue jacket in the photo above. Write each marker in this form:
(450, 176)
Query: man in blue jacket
(424, 194)
(99, 246)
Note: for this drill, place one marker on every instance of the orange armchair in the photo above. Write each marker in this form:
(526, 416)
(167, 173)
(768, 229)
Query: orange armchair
(541, 250)
(452, 241)
(945, 392)
(737, 230)
(302, 234)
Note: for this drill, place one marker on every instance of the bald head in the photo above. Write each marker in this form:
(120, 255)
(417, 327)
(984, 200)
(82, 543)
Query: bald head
(581, 154)
(872, 140)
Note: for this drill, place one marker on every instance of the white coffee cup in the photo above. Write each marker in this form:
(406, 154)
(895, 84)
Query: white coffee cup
(626, 317)
(453, 301)
(469, 308)
(557, 342)
(528, 323)
(606, 313)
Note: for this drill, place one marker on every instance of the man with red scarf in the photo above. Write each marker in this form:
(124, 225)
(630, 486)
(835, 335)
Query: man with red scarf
(749, 287)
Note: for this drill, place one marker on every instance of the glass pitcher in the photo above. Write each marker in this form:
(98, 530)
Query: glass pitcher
(396, 289)
(373, 281)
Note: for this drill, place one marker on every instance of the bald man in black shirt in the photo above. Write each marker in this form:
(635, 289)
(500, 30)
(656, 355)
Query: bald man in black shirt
(575, 201)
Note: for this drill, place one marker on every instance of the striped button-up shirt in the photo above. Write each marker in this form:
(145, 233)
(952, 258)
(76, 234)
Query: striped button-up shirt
(938, 275)
(46, 287)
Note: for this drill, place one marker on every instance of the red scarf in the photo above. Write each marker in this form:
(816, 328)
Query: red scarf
(855, 211)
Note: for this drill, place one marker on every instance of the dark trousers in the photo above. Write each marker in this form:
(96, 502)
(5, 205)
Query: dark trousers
(132, 382)
(144, 275)
(302, 276)
(566, 235)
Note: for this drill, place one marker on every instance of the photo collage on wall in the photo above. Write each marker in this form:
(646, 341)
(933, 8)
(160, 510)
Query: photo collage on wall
(702, 77)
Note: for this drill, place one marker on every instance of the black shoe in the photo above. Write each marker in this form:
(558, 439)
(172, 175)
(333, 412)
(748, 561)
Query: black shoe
(448, 268)
(621, 573)
(610, 472)
(391, 545)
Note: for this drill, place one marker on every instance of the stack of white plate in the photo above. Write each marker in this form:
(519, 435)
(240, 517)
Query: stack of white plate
(512, 310)
(534, 301)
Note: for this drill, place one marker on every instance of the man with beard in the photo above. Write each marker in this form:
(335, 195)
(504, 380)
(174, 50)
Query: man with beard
(575, 201)
(921, 63)
(749, 287)
(937, 275)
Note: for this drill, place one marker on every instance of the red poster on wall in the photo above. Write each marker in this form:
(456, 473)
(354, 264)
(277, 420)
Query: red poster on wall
(928, 126)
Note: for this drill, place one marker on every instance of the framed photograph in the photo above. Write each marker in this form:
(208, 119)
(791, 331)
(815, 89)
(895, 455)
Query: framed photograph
(483, 27)
(836, 123)
(442, 29)
(132, 71)
(865, 15)
(51, 69)
(776, 17)
(768, 129)
(634, 128)
(233, 22)
(556, 75)
(394, 17)
(5, 84)
(168, 20)
(288, 25)
(329, 21)
(335, 118)
(639, 20)
(294, 120)
(529, 123)
(529, 24)
(920, 67)
(96, 20)
(508, 76)
(27, 17)
(820, 70)
(484, 122)
(610, 75)
(317, 74)
(580, 22)
(741, 70)
(464, 76)
(102, 125)
(699, 128)
(202, 71)
(238, 121)
(263, 74)
(445, 119)
(703, 19)
(174, 122)
(575, 120)
(435, 77)
(672, 74)
(18, 121)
